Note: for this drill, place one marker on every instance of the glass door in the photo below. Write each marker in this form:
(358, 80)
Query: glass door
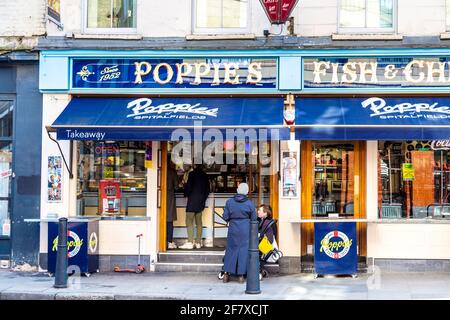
(333, 185)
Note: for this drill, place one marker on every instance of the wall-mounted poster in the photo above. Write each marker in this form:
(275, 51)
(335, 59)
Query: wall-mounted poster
(54, 179)
(289, 175)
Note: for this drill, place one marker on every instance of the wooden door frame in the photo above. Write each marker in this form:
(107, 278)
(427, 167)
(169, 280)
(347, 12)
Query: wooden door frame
(307, 229)
(274, 184)
(163, 208)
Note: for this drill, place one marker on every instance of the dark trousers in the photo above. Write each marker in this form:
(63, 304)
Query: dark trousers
(169, 229)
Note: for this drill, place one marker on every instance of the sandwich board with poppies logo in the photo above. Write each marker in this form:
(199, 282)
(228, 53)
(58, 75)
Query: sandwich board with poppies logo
(82, 245)
(335, 248)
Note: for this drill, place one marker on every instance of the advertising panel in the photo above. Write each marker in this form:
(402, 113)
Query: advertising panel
(335, 248)
(82, 245)
(235, 72)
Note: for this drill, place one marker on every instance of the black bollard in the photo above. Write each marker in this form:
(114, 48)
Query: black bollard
(61, 255)
(253, 261)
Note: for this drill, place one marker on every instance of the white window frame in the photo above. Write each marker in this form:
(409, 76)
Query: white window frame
(212, 31)
(392, 30)
(104, 30)
(447, 19)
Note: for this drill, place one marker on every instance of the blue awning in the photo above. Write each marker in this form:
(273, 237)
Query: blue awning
(372, 118)
(137, 118)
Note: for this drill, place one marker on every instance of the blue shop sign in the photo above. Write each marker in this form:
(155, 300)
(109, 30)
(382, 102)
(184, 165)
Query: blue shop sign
(376, 72)
(335, 248)
(217, 72)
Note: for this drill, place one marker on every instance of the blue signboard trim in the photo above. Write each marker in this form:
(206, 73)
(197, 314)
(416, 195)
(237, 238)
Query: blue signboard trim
(273, 53)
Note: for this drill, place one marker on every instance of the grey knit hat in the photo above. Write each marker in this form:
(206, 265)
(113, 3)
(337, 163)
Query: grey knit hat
(242, 189)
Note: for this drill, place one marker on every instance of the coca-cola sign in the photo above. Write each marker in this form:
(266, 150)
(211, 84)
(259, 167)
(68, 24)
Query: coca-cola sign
(278, 11)
(440, 145)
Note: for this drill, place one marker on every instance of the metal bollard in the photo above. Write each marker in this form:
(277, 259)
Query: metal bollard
(61, 255)
(253, 261)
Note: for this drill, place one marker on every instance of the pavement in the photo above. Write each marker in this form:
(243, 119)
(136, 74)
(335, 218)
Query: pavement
(206, 286)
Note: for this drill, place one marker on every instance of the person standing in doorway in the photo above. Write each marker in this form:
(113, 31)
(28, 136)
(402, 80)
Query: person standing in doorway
(197, 191)
(171, 213)
(238, 212)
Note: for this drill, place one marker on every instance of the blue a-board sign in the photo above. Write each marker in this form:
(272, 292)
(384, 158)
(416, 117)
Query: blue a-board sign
(82, 246)
(335, 248)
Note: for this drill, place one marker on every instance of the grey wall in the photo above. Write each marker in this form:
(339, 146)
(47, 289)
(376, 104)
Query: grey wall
(22, 81)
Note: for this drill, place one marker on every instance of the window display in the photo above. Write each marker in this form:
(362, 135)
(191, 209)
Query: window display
(225, 174)
(333, 191)
(121, 161)
(414, 179)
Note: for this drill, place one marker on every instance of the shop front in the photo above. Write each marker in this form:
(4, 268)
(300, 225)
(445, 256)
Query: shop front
(366, 145)
(123, 129)
(374, 149)
(124, 121)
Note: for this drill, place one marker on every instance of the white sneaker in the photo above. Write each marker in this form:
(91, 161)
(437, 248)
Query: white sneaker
(187, 245)
(198, 245)
(171, 245)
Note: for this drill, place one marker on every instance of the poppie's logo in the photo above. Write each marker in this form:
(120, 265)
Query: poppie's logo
(142, 109)
(335, 249)
(73, 246)
(381, 109)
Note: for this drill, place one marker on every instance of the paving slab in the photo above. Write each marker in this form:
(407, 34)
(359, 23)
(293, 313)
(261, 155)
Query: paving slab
(149, 286)
(21, 295)
(83, 296)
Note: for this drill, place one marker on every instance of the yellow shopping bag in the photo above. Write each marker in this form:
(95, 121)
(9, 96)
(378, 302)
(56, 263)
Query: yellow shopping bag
(265, 246)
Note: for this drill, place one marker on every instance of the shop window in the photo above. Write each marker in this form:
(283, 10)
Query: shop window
(110, 15)
(104, 165)
(447, 16)
(367, 16)
(6, 119)
(333, 192)
(221, 16)
(414, 180)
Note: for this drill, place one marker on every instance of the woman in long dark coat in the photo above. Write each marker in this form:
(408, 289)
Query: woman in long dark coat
(239, 211)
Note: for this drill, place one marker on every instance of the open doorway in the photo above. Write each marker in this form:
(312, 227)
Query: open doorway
(233, 163)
